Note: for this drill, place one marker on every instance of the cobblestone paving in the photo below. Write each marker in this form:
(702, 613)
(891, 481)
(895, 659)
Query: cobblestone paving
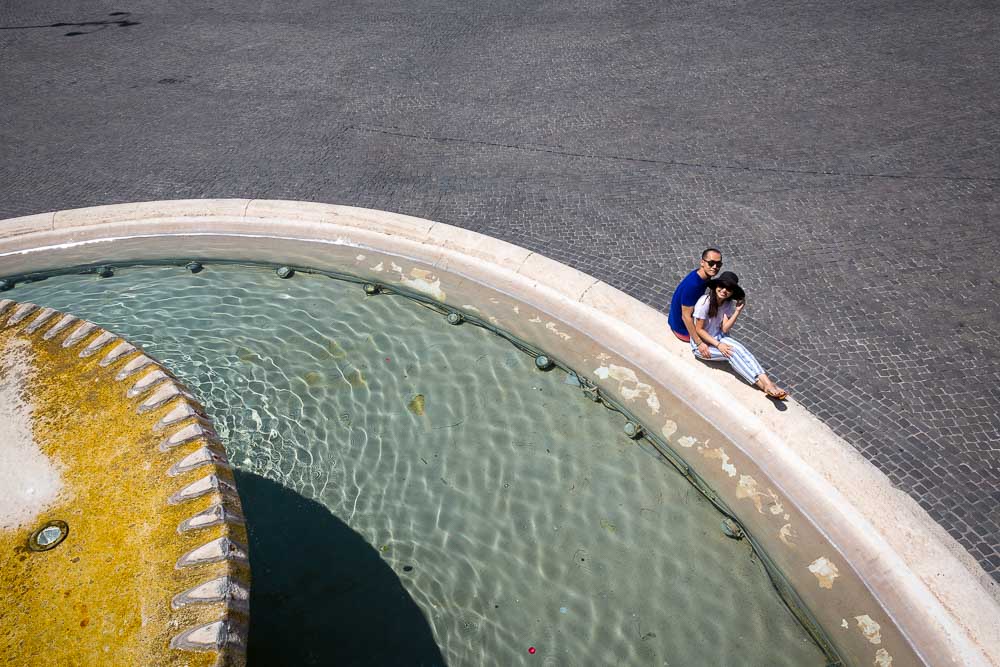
(845, 156)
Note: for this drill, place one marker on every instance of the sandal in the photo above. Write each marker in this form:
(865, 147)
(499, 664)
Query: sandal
(778, 395)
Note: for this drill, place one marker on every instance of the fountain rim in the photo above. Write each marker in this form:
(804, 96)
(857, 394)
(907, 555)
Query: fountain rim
(925, 582)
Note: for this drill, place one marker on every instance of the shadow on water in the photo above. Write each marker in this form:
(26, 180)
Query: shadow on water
(321, 594)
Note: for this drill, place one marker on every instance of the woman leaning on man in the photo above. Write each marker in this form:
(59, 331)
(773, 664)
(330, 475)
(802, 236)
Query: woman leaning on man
(714, 315)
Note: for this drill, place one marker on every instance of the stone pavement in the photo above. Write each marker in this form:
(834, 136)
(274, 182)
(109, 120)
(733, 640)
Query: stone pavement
(845, 157)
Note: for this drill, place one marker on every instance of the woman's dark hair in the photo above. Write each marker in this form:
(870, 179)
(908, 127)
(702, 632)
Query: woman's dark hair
(713, 302)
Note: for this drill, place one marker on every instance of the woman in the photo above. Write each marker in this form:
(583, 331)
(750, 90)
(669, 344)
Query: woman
(714, 316)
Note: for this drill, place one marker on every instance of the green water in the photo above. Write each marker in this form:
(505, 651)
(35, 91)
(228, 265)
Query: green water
(419, 494)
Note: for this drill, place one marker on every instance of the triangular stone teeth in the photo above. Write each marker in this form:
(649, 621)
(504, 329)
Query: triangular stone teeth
(200, 457)
(146, 382)
(96, 344)
(212, 516)
(20, 313)
(116, 353)
(199, 488)
(163, 393)
(133, 366)
(59, 326)
(180, 412)
(44, 316)
(210, 637)
(81, 332)
(5, 304)
(190, 432)
(219, 549)
(223, 589)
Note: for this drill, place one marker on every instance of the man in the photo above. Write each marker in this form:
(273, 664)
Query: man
(686, 296)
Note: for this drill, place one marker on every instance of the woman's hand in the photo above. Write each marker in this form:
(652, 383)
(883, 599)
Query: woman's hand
(739, 307)
(726, 349)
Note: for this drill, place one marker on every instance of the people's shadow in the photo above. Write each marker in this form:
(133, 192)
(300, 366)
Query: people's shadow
(321, 595)
(780, 406)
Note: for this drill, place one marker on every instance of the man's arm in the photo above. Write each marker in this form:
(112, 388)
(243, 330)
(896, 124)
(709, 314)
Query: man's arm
(687, 314)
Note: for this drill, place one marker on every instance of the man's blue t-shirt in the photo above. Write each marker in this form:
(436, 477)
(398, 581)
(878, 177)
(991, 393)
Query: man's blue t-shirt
(687, 294)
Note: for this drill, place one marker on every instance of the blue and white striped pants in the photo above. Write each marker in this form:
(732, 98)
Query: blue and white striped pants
(742, 361)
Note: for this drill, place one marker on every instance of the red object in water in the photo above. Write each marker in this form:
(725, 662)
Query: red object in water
(387, 358)
(531, 650)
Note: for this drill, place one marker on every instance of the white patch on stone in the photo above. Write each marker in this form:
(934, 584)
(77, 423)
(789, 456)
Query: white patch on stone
(629, 385)
(360, 258)
(844, 624)
(535, 320)
(720, 454)
(787, 534)
(882, 658)
(29, 481)
(422, 281)
(825, 571)
(869, 628)
(687, 441)
(747, 488)
(378, 268)
(396, 267)
(470, 308)
(551, 326)
(669, 428)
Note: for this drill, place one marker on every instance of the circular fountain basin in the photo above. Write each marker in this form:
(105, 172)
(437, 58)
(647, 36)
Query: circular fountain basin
(878, 575)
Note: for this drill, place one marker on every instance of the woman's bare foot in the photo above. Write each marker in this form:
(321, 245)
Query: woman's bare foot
(771, 389)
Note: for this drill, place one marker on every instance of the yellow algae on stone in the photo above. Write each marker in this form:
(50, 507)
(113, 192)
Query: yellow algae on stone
(416, 405)
(356, 379)
(335, 351)
(103, 596)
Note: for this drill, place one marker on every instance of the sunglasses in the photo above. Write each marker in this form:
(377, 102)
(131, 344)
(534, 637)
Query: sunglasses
(713, 262)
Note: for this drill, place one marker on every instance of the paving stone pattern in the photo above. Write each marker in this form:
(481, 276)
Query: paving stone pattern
(845, 156)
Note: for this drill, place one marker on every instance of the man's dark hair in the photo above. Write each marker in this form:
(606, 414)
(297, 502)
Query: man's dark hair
(708, 250)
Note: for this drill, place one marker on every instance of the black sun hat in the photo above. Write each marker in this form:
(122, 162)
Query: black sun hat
(730, 280)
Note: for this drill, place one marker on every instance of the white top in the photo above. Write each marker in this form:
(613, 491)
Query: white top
(713, 325)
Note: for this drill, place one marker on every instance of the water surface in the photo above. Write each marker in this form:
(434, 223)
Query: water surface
(418, 493)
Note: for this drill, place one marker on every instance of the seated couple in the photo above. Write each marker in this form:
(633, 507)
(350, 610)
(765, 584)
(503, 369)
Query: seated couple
(703, 311)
